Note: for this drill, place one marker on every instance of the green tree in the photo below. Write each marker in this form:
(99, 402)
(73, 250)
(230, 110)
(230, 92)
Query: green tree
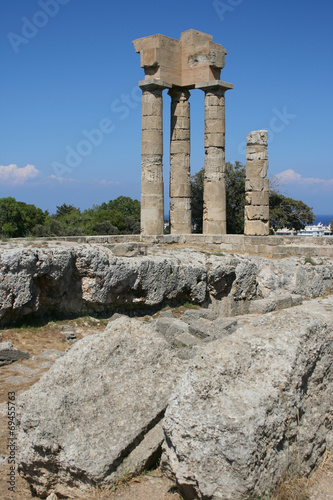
(287, 212)
(235, 193)
(65, 210)
(197, 181)
(284, 211)
(19, 219)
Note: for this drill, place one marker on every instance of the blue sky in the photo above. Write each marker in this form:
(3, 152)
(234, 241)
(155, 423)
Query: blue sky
(69, 68)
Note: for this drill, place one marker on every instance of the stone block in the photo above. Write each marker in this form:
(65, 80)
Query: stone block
(180, 122)
(180, 189)
(192, 315)
(257, 184)
(276, 301)
(257, 137)
(152, 147)
(180, 147)
(258, 155)
(214, 227)
(256, 228)
(256, 169)
(214, 113)
(179, 163)
(179, 134)
(152, 161)
(212, 99)
(152, 109)
(152, 122)
(215, 140)
(255, 148)
(180, 111)
(9, 355)
(253, 212)
(257, 198)
(152, 173)
(214, 126)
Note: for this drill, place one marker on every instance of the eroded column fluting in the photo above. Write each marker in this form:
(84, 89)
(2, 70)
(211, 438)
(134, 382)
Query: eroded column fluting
(214, 196)
(180, 176)
(256, 185)
(152, 189)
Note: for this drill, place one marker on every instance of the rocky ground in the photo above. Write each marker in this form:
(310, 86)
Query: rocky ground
(256, 351)
(45, 344)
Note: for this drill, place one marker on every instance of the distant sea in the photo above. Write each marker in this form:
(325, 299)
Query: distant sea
(324, 219)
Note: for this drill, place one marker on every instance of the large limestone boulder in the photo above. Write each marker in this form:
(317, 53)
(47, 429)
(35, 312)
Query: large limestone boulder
(96, 414)
(90, 279)
(252, 404)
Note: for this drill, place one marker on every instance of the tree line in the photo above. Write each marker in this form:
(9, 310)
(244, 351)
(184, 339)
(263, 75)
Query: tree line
(122, 215)
(283, 211)
(119, 216)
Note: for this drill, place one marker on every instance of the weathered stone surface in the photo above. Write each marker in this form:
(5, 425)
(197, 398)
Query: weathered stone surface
(69, 333)
(256, 184)
(50, 354)
(194, 314)
(258, 137)
(278, 301)
(89, 279)
(257, 212)
(93, 279)
(152, 191)
(193, 59)
(257, 198)
(171, 328)
(129, 249)
(93, 409)
(256, 228)
(53, 496)
(256, 169)
(214, 195)
(8, 354)
(180, 176)
(251, 403)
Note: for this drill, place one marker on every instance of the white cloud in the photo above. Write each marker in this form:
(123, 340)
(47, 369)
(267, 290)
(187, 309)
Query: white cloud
(292, 177)
(14, 175)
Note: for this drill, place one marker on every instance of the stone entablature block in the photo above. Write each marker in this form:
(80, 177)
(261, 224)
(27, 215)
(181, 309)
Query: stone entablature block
(186, 62)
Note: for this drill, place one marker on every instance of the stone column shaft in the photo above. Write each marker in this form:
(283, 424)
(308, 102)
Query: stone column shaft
(180, 149)
(256, 221)
(152, 188)
(214, 211)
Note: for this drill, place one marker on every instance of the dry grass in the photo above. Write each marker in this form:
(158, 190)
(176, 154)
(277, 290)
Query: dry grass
(292, 487)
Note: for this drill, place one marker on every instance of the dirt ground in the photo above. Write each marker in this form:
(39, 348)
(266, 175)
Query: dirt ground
(44, 344)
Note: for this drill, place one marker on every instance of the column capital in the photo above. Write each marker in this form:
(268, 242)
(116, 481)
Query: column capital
(179, 94)
(214, 85)
(153, 84)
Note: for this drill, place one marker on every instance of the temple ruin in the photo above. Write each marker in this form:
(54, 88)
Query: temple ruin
(193, 62)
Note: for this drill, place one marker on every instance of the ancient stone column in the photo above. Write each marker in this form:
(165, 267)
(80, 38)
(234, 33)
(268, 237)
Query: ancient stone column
(180, 149)
(152, 189)
(214, 211)
(256, 185)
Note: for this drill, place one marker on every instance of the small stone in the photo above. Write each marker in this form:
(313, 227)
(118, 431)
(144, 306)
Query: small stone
(8, 354)
(53, 496)
(69, 332)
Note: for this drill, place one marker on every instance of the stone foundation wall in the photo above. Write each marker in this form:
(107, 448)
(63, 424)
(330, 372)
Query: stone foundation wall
(268, 246)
